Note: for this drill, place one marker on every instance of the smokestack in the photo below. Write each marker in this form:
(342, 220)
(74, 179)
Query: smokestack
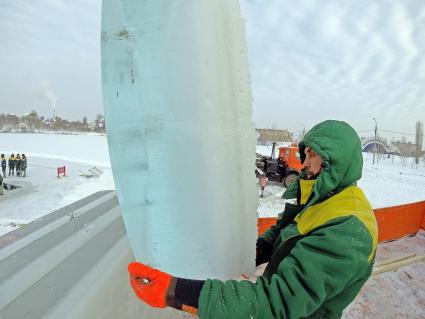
(50, 95)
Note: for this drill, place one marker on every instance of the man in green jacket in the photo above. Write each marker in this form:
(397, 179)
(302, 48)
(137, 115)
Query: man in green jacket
(319, 253)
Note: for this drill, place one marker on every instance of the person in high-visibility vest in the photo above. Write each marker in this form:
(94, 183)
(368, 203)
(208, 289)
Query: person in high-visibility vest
(320, 252)
(18, 164)
(11, 164)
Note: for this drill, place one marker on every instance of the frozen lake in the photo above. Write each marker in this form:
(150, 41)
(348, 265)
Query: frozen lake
(83, 148)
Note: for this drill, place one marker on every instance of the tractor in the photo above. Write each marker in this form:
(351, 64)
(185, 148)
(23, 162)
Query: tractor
(284, 169)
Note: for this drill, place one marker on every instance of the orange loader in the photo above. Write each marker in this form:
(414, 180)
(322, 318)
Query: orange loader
(284, 169)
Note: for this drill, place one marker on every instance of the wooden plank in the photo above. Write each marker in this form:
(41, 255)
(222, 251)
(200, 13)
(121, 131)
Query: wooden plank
(397, 264)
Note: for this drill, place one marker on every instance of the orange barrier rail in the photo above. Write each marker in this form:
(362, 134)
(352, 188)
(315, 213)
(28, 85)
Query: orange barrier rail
(264, 223)
(398, 221)
(423, 222)
(393, 222)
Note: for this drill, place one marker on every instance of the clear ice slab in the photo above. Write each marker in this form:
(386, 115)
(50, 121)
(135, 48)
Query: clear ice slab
(177, 101)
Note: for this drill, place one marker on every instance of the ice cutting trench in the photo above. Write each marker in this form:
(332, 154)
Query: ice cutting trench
(10, 187)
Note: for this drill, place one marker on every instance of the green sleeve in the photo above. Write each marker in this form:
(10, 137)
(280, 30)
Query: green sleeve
(318, 268)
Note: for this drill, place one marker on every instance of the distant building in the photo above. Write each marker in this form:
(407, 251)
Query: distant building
(268, 136)
(406, 148)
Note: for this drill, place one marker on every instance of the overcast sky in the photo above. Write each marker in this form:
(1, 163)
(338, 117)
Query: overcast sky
(310, 60)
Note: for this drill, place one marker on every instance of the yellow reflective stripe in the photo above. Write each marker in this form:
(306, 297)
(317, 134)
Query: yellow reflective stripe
(306, 187)
(350, 202)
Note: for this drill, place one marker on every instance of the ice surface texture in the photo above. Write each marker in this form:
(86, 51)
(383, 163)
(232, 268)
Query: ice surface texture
(182, 144)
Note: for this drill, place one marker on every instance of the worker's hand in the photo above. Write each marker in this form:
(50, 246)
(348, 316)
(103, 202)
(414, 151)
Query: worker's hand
(264, 252)
(149, 284)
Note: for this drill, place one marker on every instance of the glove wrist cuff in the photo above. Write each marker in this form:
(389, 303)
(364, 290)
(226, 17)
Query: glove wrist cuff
(170, 298)
(183, 294)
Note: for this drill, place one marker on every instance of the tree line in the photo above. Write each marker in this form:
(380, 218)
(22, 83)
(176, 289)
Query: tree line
(33, 123)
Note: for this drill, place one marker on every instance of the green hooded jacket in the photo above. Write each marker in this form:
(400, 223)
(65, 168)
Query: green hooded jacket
(323, 247)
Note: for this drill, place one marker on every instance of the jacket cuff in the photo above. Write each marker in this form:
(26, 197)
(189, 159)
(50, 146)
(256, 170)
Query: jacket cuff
(183, 294)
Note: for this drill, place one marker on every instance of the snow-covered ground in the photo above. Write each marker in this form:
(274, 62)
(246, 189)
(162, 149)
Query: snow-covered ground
(390, 182)
(41, 192)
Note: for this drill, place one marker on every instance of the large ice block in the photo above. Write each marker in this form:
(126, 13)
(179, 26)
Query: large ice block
(178, 110)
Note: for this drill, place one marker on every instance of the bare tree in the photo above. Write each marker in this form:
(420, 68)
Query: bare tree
(419, 140)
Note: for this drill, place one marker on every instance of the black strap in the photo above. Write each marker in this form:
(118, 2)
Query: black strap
(291, 210)
(279, 254)
(187, 292)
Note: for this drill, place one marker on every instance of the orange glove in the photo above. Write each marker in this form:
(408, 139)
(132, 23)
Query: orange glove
(149, 284)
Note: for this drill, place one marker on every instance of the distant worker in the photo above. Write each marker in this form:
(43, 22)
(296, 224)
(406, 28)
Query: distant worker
(18, 164)
(11, 164)
(320, 252)
(3, 165)
(24, 166)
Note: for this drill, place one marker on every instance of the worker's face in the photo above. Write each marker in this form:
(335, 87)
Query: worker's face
(312, 163)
